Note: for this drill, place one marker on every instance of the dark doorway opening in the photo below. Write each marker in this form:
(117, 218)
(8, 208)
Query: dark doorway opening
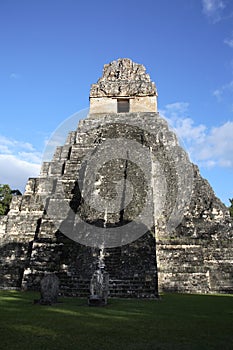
(123, 105)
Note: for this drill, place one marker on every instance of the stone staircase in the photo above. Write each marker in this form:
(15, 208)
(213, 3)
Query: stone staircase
(136, 287)
(124, 282)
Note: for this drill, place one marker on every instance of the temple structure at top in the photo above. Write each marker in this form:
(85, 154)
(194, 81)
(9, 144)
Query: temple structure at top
(125, 87)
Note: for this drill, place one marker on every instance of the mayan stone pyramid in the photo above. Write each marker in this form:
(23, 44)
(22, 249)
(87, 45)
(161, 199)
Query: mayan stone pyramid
(122, 186)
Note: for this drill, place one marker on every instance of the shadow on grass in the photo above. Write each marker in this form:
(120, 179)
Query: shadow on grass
(174, 322)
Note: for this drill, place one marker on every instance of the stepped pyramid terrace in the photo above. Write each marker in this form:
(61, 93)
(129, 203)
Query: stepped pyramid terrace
(121, 190)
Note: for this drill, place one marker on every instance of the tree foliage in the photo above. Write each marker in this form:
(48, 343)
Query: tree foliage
(231, 207)
(5, 198)
(6, 194)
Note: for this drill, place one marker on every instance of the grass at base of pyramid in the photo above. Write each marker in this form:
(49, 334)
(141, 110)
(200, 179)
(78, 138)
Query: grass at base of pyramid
(175, 321)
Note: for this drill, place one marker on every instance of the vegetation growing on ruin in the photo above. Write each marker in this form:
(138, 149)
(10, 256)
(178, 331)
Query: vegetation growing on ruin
(6, 194)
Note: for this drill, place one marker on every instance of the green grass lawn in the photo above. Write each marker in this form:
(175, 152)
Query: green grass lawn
(174, 322)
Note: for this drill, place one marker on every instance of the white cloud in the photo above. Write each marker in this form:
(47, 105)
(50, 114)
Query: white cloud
(213, 9)
(176, 113)
(207, 147)
(18, 161)
(176, 108)
(229, 42)
(11, 144)
(186, 129)
(34, 157)
(16, 172)
(218, 94)
(223, 90)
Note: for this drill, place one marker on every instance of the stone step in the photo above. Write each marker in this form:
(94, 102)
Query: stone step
(128, 287)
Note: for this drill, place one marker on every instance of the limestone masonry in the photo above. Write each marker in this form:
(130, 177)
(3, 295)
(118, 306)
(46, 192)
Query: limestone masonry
(173, 233)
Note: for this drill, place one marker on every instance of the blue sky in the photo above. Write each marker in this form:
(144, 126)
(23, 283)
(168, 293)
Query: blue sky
(53, 50)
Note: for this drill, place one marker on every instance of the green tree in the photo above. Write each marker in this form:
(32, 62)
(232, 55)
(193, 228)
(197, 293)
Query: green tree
(5, 199)
(6, 194)
(231, 207)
